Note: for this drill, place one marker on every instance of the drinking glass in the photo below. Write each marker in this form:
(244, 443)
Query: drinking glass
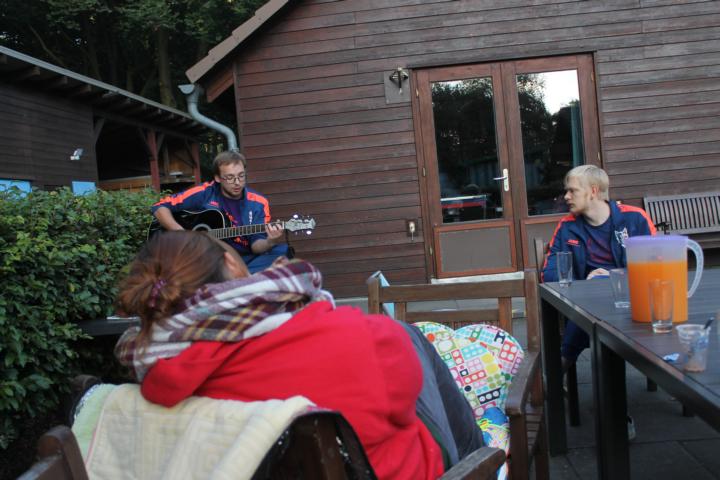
(661, 305)
(565, 268)
(619, 283)
(694, 340)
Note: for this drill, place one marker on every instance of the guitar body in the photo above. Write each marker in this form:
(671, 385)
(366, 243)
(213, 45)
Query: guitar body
(203, 221)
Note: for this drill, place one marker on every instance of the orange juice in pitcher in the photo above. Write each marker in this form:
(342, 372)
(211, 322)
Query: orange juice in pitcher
(661, 257)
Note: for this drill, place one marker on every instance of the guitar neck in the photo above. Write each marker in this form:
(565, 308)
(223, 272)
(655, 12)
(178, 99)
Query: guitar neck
(229, 232)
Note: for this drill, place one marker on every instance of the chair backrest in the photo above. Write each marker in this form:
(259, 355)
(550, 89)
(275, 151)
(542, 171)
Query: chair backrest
(501, 315)
(59, 457)
(541, 249)
(320, 445)
(686, 213)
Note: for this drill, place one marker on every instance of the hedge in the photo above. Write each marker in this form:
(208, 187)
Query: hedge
(60, 258)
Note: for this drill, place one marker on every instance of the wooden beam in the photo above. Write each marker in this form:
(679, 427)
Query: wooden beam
(166, 157)
(154, 167)
(143, 136)
(220, 82)
(81, 91)
(60, 82)
(161, 139)
(145, 124)
(97, 128)
(26, 73)
(195, 150)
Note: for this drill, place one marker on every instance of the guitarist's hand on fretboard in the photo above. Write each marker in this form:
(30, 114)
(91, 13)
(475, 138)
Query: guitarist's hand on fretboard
(274, 232)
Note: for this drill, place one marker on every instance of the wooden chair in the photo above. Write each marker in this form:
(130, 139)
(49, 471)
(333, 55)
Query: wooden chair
(59, 457)
(317, 445)
(323, 446)
(541, 251)
(524, 404)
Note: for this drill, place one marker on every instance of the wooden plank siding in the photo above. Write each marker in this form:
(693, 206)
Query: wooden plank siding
(39, 133)
(322, 141)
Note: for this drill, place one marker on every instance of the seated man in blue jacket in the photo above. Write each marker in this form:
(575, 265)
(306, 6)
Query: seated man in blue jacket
(595, 233)
(242, 205)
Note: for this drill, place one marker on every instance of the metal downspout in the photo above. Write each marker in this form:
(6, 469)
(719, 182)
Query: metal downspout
(192, 93)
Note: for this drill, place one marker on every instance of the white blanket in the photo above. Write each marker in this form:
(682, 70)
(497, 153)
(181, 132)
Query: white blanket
(200, 438)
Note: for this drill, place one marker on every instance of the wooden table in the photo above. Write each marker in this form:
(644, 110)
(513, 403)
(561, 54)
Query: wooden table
(615, 339)
(108, 326)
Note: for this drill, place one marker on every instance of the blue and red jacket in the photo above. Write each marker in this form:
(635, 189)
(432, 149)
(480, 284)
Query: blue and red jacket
(571, 236)
(254, 208)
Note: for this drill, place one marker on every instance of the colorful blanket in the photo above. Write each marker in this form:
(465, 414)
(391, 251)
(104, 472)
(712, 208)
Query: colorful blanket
(198, 438)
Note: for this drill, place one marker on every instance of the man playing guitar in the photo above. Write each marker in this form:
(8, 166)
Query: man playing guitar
(229, 194)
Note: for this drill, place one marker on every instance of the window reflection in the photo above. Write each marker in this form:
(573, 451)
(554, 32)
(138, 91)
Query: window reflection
(551, 126)
(464, 117)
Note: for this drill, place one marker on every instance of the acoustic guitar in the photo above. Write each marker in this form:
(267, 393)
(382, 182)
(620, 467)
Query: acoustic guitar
(217, 224)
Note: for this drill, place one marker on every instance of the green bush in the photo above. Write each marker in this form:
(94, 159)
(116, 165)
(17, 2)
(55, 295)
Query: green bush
(60, 259)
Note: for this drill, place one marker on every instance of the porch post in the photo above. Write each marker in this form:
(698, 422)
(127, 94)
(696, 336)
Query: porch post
(195, 152)
(154, 168)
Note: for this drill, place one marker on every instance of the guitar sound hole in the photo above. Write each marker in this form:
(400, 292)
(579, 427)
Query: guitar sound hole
(201, 227)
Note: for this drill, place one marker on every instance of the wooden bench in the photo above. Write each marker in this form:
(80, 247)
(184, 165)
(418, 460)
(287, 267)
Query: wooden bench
(317, 445)
(524, 405)
(694, 214)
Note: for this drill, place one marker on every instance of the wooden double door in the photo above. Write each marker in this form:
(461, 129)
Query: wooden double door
(494, 142)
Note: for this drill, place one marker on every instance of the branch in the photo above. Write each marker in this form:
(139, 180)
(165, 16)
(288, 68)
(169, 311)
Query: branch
(55, 58)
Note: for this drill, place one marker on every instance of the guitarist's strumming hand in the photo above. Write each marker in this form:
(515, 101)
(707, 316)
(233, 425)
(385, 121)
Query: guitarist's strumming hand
(166, 219)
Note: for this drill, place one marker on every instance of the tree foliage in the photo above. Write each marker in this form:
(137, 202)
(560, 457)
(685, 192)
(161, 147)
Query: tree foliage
(143, 46)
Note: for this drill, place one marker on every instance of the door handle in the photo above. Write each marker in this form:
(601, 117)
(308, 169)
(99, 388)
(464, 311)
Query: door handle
(505, 179)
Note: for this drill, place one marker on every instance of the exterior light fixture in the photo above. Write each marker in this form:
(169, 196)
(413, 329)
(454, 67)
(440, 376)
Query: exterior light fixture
(77, 154)
(398, 77)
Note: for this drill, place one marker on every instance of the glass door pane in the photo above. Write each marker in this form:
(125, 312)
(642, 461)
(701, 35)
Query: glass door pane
(467, 154)
(552, 137)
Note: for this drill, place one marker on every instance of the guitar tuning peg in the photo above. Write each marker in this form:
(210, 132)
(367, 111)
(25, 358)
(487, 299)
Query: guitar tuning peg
(309, 232)
(295, 216)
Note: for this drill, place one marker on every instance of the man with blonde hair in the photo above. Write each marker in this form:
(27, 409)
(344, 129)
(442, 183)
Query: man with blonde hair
(595, 233)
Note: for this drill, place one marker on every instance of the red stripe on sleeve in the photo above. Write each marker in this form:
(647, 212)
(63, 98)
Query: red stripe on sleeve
(178, 198)
(629, 208)
(260, 199)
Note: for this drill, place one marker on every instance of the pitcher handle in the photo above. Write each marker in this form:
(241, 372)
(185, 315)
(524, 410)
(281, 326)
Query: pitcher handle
(699, 260)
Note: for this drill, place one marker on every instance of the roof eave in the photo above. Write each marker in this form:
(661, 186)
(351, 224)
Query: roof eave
(220, 52)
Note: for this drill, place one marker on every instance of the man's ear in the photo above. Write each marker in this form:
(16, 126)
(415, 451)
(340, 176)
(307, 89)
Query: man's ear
(235, 265)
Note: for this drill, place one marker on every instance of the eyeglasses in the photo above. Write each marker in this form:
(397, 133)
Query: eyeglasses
(234, 178)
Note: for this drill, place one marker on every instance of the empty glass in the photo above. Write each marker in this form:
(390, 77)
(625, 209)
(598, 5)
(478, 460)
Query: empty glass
(565, 268)
(619, 283)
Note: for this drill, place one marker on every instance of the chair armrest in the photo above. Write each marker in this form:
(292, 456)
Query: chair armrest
(521, 385)
(481, 464)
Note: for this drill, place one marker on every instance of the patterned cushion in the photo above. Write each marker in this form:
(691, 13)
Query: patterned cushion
(507, 350)
(483, 360)
(473, 367)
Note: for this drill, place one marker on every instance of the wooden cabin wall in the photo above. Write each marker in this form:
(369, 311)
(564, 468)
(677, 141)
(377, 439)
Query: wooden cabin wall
(321, 139)
(38, 134)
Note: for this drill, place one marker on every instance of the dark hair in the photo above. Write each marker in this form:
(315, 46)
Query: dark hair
(227, 158)
(169, 268)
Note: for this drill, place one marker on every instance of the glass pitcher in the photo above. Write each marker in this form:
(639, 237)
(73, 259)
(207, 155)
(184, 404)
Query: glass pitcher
(660, 257)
